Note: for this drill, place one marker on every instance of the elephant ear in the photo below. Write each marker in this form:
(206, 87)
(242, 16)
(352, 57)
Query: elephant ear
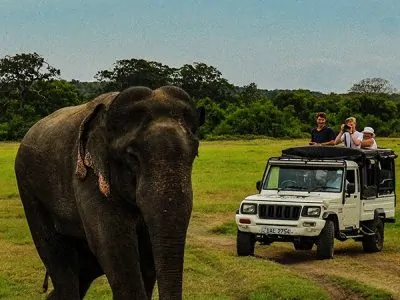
(92, 148)
(201, 115)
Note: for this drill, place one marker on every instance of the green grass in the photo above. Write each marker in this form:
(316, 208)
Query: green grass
(224, 173)
(213, 274)
(8, 185)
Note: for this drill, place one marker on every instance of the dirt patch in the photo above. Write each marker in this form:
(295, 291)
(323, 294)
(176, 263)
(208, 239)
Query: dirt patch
(335, 291)
(379, 270)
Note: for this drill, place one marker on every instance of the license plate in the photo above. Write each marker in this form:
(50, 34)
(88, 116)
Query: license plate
(276, 230)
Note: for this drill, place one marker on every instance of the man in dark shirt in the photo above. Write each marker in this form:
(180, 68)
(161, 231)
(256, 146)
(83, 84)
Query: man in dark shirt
(322, 134)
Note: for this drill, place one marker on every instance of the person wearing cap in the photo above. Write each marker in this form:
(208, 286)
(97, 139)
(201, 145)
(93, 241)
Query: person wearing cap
(349, 135)
(368, 141)
(322, 134)
(334, 179)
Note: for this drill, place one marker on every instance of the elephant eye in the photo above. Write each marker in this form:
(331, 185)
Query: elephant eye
(130, 151)
(132, 156)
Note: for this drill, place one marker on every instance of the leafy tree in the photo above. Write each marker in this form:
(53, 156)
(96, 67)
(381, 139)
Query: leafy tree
(249, 94)
(54, 95)
(373, 86)
(303, 102)
(19, 73)
(29, 90)
(88, 90)
(48, 96)
(215, 115)
(260, 119)
(201, 81)
(136, 72)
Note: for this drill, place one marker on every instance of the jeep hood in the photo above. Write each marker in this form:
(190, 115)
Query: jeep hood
(293, 196)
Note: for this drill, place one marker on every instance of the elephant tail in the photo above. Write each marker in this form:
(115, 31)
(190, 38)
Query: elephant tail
(45, 285)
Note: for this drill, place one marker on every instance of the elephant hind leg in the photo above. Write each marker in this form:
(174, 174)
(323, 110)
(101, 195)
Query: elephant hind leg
(56, 251)
(90, 269)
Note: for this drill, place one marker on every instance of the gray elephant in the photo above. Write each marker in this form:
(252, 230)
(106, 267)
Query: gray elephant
(106, 189)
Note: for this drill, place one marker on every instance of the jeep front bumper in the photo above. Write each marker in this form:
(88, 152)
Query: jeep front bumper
(304, 226)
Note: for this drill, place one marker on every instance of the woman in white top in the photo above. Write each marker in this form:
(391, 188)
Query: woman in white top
(368, 141)
(348, 135)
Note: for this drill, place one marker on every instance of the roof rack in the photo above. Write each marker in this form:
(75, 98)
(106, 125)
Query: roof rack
(336, 153)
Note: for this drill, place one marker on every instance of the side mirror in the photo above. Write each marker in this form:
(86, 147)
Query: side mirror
(258, 185)
(351, 188)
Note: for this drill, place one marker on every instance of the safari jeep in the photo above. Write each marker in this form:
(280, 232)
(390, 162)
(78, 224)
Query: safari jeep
(314, 195)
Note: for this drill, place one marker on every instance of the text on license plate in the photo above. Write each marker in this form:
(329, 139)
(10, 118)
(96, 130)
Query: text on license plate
(276, 230)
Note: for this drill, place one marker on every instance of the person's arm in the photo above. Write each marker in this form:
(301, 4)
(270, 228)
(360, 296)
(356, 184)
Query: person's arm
(323, 144)
(357, 138)
(330, 143)
(338, 138)
(367, 143)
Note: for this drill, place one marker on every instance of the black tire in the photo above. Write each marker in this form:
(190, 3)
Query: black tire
(325, 243)
(303, 245)
(245, 243)
(373, 243)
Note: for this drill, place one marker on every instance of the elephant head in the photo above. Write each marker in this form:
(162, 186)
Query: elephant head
(141, 144)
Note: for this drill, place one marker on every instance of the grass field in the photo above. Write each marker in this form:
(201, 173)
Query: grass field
(223, 174)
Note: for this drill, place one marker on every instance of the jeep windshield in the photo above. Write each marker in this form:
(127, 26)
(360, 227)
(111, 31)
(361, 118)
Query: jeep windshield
(309, 179)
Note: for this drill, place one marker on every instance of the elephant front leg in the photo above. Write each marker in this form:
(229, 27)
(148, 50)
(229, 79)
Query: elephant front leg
(111, 235)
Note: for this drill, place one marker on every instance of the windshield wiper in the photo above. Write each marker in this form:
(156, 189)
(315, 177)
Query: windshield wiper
(292, 187)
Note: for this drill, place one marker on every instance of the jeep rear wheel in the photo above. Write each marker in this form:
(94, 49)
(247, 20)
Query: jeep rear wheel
(245, 243)
(374, 242)
(325, 243)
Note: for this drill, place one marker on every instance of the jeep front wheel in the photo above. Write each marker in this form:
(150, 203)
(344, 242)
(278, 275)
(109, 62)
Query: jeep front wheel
(245, 243)
(325, 243)
(373, 242)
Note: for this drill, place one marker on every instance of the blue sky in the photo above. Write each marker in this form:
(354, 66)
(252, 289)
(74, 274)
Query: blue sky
(320, 45)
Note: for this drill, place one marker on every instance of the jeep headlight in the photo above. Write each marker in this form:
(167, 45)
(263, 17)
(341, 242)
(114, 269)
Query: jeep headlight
(311, 211)
(249, 208)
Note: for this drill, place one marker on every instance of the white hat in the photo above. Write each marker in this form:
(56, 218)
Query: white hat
(369, 130)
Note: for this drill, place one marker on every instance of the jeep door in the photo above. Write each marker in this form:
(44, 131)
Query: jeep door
(351, 201)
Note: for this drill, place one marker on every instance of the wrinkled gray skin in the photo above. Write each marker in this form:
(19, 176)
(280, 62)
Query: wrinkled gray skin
(106, 188)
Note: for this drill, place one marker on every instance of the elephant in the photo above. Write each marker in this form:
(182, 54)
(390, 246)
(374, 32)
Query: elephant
(106, 187)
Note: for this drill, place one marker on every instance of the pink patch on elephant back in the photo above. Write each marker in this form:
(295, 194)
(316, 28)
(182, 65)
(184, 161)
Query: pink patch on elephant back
(80, 168)
(104, 187)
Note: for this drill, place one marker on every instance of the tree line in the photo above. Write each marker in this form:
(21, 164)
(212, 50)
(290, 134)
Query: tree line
(30, 88)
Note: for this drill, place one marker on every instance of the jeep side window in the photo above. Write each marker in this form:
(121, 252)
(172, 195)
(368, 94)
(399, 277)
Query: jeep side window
(350, 177)
(371, 173)
(370, 179)
(386, 176)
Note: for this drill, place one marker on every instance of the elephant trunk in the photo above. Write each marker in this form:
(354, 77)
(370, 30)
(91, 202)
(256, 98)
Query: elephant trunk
(169, 267)
(165, 199)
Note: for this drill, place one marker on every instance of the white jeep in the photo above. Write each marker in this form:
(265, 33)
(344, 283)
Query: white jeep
(312, 195)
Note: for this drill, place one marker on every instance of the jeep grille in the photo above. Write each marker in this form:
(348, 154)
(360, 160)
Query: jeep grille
(279, 212)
